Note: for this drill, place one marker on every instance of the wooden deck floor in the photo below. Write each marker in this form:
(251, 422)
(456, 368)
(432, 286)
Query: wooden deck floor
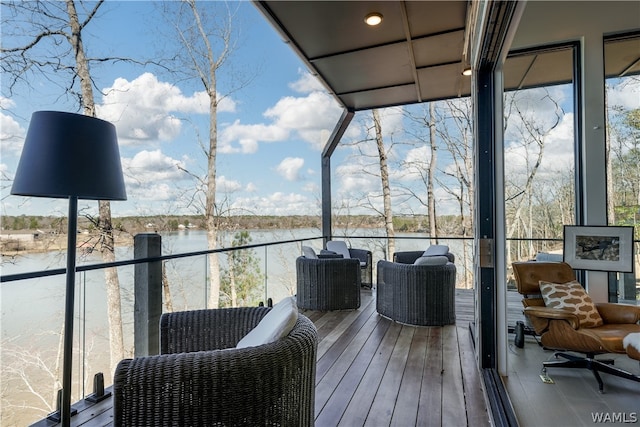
(375, 372)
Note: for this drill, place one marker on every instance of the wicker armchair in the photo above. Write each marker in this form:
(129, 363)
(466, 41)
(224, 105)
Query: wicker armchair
(200, 379)
(363, 255)
(328, 283)
(421, 295)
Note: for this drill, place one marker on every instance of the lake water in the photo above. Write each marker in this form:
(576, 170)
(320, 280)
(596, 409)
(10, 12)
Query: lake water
(33, 310)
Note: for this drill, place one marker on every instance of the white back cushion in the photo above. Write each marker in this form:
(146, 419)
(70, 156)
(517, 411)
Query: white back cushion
(435, 250)
(339, 247)
(275, 325)
(308, 252)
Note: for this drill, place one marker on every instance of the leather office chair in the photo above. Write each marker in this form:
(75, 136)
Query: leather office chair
(561, 330)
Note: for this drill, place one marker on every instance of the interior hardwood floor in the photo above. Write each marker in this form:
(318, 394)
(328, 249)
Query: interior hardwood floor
(573, 398)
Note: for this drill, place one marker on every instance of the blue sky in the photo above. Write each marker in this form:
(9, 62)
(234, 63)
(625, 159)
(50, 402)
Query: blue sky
(270, 132)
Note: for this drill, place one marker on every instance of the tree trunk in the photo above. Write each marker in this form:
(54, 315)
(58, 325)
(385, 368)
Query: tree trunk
(611, 213)
(433, 229)
(166, 292)
(105, 227)
(386, 189)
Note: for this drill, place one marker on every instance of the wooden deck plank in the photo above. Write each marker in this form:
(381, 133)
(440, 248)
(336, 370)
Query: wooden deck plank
(384, 336)
(405, 412)
(383, 404)
(326, 384)
(452, 390)
(475, 403)
(357, 411)
(332, 347)
(430, 403)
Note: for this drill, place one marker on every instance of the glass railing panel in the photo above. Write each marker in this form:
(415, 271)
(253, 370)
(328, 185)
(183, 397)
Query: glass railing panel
(280, 268)
(185, 282)
(98, 322)
(30, 352)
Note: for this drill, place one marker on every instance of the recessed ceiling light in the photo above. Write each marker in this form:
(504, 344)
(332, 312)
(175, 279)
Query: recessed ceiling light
(373, 19)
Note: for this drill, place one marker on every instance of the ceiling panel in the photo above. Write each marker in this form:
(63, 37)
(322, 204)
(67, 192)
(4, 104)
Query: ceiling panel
(432, 17)
(323, 28)
(442, 82)
(622, 56)
(367, 69)
(386, 97)
(440, 49)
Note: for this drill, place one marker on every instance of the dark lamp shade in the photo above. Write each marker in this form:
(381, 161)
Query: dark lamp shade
(67, 154)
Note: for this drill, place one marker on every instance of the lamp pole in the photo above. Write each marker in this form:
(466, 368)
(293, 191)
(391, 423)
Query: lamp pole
(67, 364)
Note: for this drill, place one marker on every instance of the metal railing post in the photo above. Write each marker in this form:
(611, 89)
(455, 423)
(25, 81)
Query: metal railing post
(148, 295)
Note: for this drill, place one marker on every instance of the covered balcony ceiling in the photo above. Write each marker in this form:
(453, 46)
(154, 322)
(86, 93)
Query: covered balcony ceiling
(416, 54)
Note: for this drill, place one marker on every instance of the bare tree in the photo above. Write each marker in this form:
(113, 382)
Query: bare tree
(207, 43)
(425, 167)
(50, 43)
(533, 133)
(386, 187)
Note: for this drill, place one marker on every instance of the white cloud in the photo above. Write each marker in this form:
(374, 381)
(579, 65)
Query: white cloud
(246, 137)
(6, 103)
(144, 109)
(392, 120)
(152, 176)
(289, 168)
(416, 162)
(307, 83)
(251, 188)
(149, 167)
(558, 153)
(312, 117)
(352, 179)
(11, 134)
(625, 94)
(311, 187)
(278, 203)
(225, 185)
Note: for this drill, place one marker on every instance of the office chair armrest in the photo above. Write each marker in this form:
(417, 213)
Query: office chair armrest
(618, 313)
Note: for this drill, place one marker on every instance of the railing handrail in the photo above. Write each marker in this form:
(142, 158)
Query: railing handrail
(90, 267)
(98, 266)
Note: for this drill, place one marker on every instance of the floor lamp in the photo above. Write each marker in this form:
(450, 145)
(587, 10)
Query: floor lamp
(72, 156)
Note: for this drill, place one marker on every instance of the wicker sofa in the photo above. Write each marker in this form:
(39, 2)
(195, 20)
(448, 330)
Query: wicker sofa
(421, 295)
(200, 379)
(326, 284)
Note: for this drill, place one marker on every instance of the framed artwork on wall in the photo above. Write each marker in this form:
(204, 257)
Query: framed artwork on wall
(599, 248)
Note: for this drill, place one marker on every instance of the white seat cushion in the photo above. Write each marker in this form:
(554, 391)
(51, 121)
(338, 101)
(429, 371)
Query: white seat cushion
(339, 247)
(431, 260)
(275, 325)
